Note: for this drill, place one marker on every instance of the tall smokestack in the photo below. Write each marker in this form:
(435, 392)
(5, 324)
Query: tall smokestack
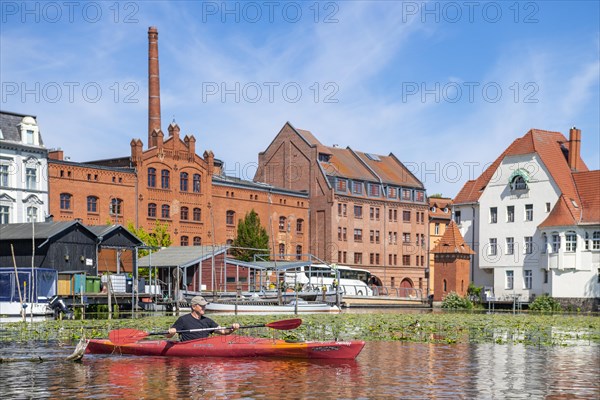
(574, 148)
(153, 85)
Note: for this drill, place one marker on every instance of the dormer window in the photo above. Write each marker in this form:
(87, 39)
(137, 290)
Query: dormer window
(324, 157)
(29, 131)
(518, 180)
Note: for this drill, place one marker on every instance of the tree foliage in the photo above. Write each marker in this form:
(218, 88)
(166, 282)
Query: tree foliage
(545, 303)
(158, 237)
(250, 235)
(454, 302)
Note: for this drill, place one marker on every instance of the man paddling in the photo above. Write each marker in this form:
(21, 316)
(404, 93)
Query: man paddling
(197, 320)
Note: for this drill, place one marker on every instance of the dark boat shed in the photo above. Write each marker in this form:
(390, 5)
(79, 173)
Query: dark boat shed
(63, 246)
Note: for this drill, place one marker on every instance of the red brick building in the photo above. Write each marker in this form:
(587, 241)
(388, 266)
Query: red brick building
(440, 215)
(170, 183)
(452, 264)
(367, 210)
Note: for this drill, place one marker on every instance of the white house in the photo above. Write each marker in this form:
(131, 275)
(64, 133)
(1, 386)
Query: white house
(23, 169)
(533, 218)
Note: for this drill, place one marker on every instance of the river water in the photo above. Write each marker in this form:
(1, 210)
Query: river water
(384, 370)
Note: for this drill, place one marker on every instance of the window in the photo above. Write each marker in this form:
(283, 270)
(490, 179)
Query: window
(392, 192)
(65, 201)
(151, 177)
(596, 240)
(519, 183)
(420, 196)
(197, 214)
(281, 249)
(30, 137)
(339, 233)
(116, 206)
(92, 204)
(357, 211)
(4, 214)
(510, 214)
(197, 241)
(510, 245)
(529, 212)
(406, 216)
(376, 236)
(341, 185)
(436, 228)
(299, 225)
(31, 178)
(357, 258)
(324, 157)
(544, 243)
(493, 215)
(183, 181)
(357, 187)
(344, 234)
(164, 179)
(196, 183)
(372, 258)
(510, 280)
(372, 213)
(374, 190)
(547, 207)
(152, 210)
(372, 236)
(406, 259)
(555, 242)
(457, 217)
(528, 245)
(282, 223)
(545, 276)
(165, 211)
(32, 214)
(184, 212)
(406, 237)
(406, 194)
(570, 241)
(493, 247)
(184, 241)
(3, 175)
(527, 279)
(298, 252)
(358, 235)
(342, 209)
(230, 217)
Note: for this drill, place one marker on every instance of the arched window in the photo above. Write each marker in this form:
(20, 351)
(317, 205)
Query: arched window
(299, 225)
(519, 183)
(282, 223)
(116, 205)
(298, 252)
(197, 241)
(183, 181)
(152, 210)
(165, 211)
(151, 177)
(196, 183)
(184, 241)
(197, 214)
(92, 204)
(230, 217)
(184, 213)
(65, 201)
(570, 241)
(164, 179)
(281, 249)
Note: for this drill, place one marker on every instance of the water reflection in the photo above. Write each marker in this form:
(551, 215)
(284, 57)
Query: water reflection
(383, 370)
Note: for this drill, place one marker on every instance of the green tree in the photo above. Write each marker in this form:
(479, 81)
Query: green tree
(159, 237)
(250, 235)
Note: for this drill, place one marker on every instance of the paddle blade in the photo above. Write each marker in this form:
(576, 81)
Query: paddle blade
(285, 325)
(126, 336)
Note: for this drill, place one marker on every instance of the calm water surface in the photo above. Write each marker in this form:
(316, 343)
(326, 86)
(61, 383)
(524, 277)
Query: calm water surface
(383, 370)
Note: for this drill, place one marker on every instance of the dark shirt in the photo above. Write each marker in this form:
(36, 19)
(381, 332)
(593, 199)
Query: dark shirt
(187, 321)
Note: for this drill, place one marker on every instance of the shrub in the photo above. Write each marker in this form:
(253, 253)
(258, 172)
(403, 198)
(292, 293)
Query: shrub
(545, 303)
(454, 302)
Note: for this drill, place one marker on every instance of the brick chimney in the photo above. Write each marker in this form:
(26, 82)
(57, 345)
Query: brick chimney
(574, 148)
(153, 86)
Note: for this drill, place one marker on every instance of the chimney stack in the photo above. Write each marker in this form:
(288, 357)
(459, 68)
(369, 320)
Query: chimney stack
(574, 148)
(153, 85)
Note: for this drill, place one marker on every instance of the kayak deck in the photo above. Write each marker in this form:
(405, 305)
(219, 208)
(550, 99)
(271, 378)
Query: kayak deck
(231, 346)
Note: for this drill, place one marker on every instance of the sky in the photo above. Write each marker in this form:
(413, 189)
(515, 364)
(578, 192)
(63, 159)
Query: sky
(445, 86)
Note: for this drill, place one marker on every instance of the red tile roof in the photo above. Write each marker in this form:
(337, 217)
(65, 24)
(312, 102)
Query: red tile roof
(551, 147)
(440, 203)
(452, 242)
(588, 187)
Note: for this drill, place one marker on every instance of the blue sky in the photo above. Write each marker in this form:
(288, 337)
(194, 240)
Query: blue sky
(445, 86)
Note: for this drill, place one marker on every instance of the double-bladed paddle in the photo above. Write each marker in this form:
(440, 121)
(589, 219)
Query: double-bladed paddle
(127, 336)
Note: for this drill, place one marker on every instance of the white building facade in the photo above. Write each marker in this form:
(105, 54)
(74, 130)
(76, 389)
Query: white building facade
(23, 170)
(533, 220)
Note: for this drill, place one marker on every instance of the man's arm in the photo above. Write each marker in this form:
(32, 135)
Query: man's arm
(227, 331)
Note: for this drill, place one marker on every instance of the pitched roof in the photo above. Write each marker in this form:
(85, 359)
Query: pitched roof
(588, 187)
(440, 203)
(41, 230)
(452, 242)
(9, 125)
(552, 148)
(389, 169)
(180, 256)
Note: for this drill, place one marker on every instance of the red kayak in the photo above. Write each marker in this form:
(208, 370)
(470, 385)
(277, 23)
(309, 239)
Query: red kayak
(231, 346)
